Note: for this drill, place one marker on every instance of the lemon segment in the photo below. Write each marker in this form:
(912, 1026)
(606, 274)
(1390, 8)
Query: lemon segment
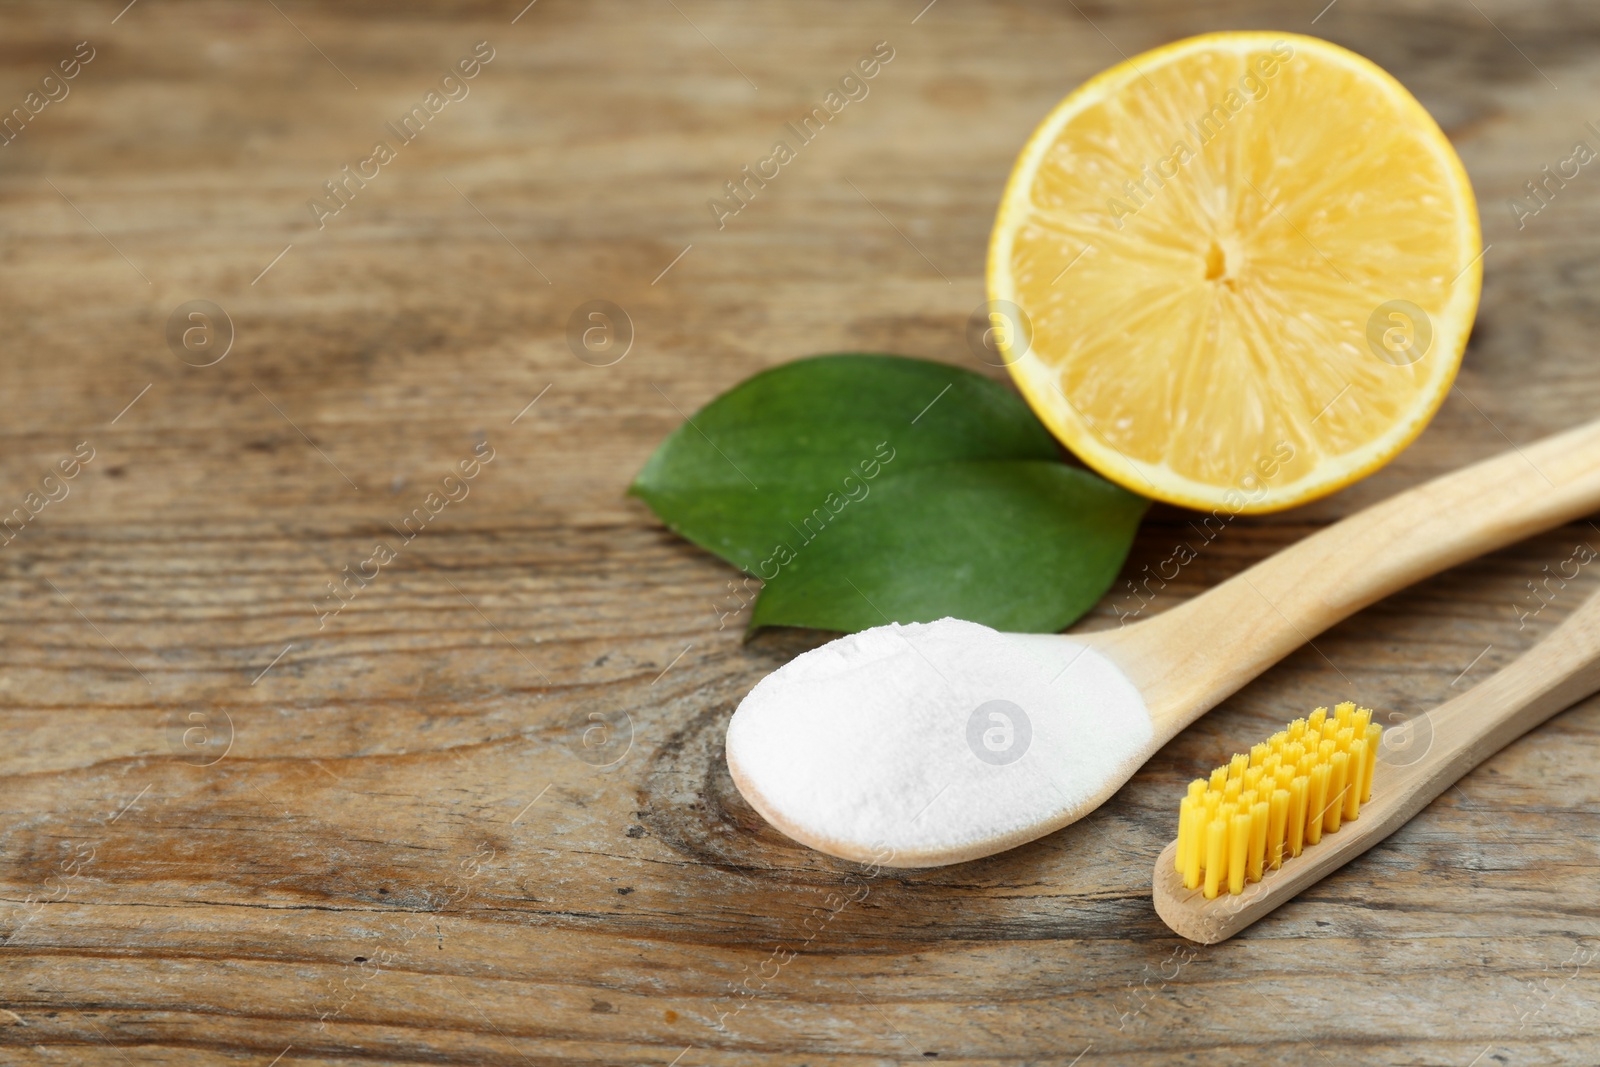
(1249, 264)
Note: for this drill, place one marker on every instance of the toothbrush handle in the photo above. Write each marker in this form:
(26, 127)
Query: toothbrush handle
(1553, 675)
(1189, 659)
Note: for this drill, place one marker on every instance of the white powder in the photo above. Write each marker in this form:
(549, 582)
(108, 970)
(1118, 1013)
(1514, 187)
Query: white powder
(891, 740)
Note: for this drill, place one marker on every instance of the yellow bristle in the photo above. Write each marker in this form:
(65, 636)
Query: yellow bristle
(1316, 803)
(1314, 723)
(1216, 855)
(1258, 840)
(1278, 740)
(1258, 753)
(1363, 719)
(1343, 738)
(1297, 730)
(1197, 844)
(1226, 814)
(1247, 799)
(1299, 796)
(1185, 826)
(1358, 768)
(1231, 792)
(1269, 769)
(1293, 753)
(1374, 735)
(1277, 823)
(1252, 778)
(1343, 711)
(1213, 801)
(1219, 778)
(1284, 776)
(1338, 782)
(1197, 788)
(1237, 765)
(1238, 851)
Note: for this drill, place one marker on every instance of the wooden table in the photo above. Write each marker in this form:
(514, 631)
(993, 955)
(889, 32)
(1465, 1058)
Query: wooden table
(238, 826)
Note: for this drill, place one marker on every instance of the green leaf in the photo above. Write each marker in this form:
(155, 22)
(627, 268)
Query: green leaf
(869, 488)
(1023, 546)
(744, 472)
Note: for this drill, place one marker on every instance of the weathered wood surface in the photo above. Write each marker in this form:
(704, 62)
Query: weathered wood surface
(399, 859)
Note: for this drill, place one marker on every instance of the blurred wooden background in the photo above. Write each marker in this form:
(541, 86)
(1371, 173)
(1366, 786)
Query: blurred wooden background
(231, 830)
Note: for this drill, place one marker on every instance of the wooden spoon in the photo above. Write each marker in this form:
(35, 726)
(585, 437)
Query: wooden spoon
(1439, 748)
(861, 778)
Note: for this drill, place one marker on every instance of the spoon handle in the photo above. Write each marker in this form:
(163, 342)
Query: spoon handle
(1190, 658)
(1419, 760)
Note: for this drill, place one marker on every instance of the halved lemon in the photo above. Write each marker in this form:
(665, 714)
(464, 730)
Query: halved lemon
(1246, 266)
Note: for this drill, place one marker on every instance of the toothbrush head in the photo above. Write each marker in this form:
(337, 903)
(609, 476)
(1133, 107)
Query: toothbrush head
(1263, 808)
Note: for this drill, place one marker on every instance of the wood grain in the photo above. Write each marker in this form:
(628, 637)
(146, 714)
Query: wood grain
(399, 859)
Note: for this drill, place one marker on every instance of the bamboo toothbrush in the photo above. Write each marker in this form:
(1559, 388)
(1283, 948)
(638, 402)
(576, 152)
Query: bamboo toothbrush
(860, 778)
(1380, 796)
